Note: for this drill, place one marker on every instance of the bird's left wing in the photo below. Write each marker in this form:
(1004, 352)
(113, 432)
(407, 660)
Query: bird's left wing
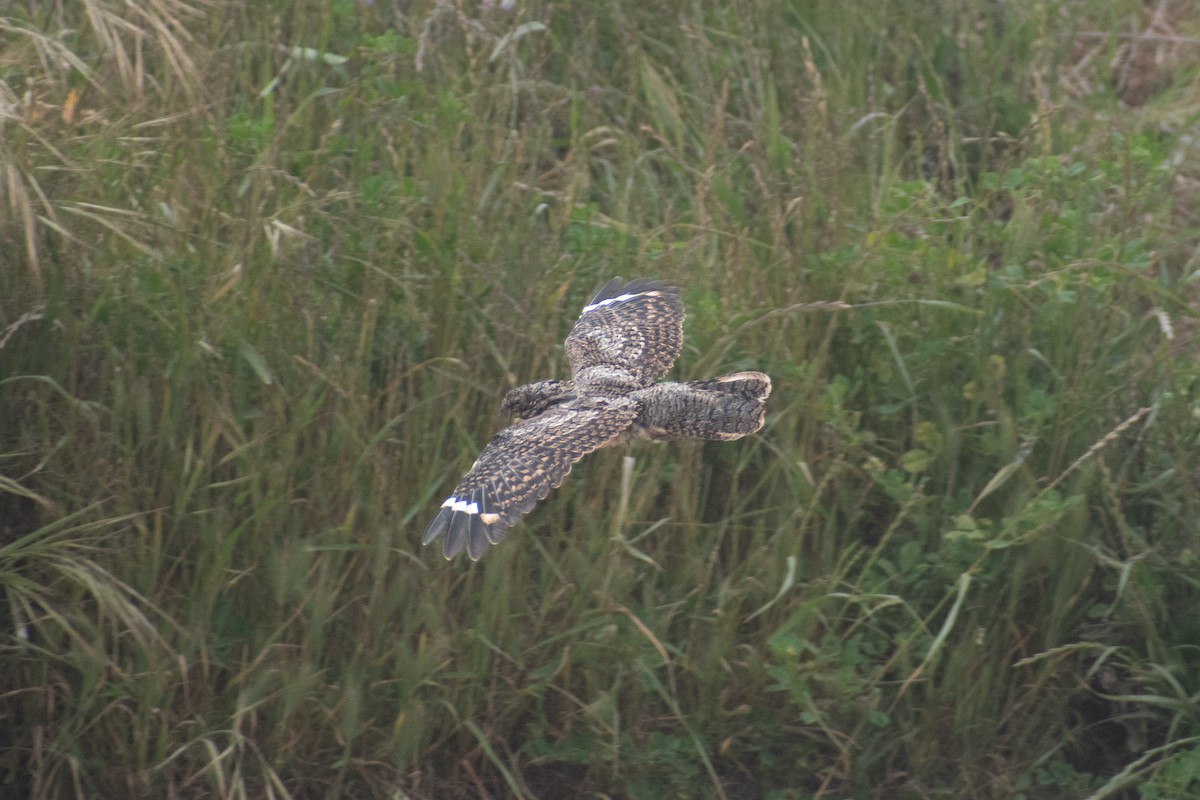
(519, 467)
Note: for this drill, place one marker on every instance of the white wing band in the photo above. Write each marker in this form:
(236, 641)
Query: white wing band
(454, 504)
(620, 299)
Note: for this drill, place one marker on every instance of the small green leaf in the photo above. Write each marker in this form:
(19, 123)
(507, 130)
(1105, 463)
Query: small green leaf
(917, 460)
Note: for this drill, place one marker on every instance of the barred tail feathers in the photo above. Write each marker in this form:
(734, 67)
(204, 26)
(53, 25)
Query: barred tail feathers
(722, 409)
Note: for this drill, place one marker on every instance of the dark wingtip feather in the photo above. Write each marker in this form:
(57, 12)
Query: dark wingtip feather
(477, 541)
(639, 285)
(477, 538)
(607, 290)
(467, 529)
(439, 524)
(456, 535)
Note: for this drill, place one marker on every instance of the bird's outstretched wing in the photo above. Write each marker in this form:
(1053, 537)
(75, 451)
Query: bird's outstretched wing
(519, 467)
(635, 326)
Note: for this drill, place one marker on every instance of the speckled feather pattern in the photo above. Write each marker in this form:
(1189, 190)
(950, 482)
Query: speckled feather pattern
(723, 408)
(629, 334)
(519, 467)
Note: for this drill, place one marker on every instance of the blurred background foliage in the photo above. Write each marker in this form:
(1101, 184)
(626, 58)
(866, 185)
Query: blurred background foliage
(267, 268)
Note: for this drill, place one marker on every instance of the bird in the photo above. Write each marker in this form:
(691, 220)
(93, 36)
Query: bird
(626, 338)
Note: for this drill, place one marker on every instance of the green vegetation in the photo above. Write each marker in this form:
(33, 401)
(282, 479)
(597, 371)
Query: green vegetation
(267, 268)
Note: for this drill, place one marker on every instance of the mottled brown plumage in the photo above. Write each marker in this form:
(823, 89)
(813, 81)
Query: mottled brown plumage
(626, 337)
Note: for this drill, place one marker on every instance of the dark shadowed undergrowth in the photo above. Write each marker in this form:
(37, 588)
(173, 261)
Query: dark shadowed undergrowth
(266, 270)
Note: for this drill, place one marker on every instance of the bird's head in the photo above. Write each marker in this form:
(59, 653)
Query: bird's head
(526, 402)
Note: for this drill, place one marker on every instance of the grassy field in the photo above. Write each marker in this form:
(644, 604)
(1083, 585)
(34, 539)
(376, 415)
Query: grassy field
(267, 269)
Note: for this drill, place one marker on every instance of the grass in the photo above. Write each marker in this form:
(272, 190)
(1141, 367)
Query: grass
(268, 269)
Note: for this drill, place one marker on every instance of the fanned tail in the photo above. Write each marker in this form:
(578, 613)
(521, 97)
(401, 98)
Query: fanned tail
(722, 409)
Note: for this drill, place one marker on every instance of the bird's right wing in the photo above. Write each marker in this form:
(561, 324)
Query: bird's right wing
(636, 326)
(519, 467)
